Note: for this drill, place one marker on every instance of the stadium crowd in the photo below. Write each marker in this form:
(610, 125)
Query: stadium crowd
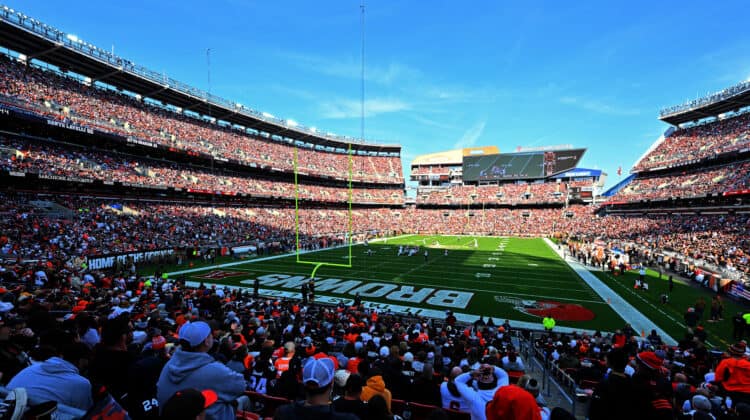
(628, 377)
(53, 160)
(131, 343)
(699, 142)
(94, 227)
(525, 193)
(735, 176)
(136, 341)
(70, 99)
(144, 344)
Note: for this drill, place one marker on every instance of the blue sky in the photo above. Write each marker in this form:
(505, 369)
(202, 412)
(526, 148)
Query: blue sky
(439, 74)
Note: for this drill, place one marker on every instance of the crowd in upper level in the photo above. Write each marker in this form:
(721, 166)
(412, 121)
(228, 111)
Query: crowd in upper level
(688, 184)
(699, 142)
(48, 159)
(69, 99)
(524, 193)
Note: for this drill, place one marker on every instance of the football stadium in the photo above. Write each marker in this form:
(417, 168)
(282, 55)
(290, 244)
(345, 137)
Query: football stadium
(167, 252)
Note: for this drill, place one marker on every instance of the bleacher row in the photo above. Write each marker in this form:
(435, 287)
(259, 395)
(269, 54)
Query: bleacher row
(688, 184)
(65, 98)
(97, 228)
(699, 142)
(54, 160)
(510, 194)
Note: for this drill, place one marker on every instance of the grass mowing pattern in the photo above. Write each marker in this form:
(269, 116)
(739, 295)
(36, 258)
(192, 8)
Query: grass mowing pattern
(669, 316)
(521, 269)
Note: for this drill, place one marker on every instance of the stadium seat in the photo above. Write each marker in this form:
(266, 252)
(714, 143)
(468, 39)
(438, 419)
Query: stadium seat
(264, 404)
(397, 406)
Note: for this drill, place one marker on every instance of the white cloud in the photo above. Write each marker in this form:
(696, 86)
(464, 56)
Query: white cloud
(349, 108)
(470, 136)
(597, 106)
(351, 68)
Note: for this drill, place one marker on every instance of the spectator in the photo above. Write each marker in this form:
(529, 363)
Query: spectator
(352, 402)
(511, 403)
(612, 396)
(189, 404)
(192, 367)
(317, 377)
(451, 396)
(112, 360)
(376, 386)
(57, 378)
(653, 393)
(733, 373)
(142, 402)
(488, 379)
(282, 363)
(511, 362)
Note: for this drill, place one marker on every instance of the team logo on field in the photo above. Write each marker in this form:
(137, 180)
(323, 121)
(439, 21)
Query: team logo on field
(541, 308)
(220, 274)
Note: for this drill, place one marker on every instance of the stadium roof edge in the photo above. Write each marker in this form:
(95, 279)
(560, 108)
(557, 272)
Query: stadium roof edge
(728, 100)
(37, 40)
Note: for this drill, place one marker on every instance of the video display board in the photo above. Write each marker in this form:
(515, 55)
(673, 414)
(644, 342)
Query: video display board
(524, 165)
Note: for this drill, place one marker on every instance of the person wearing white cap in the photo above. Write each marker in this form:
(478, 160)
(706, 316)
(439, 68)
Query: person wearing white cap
(317, 378)
(192, 367)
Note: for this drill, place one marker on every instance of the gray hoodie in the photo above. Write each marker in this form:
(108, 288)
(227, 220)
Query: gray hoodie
(200, 371)
(54, 380)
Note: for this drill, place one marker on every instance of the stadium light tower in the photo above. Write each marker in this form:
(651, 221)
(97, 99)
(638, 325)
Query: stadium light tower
(208, 76)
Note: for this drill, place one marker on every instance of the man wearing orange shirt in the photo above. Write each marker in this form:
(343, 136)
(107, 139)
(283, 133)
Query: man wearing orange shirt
(734, 373)
(282, 363)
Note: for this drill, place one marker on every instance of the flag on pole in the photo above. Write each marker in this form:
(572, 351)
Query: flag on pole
(619, 170)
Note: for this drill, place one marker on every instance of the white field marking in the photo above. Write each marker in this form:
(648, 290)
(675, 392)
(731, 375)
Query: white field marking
(442, 287)
(482, 275)
(646, 302)
(488, 265)
(497, 253)
(493, 259)
(620, 305)
(668, 316)
(273, 257)
(533, 265)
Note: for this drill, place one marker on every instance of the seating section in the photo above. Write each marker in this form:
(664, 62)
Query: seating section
(69, 99)
(46, 159)
(547, 192)
(688, 184)
(699, 142)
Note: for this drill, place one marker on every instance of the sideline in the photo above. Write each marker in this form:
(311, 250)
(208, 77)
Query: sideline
(636, 319)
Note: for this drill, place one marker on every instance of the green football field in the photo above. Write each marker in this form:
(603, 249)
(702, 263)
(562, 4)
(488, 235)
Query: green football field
(513, 278)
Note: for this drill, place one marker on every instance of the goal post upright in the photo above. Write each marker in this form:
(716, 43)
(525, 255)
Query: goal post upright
(349, 240)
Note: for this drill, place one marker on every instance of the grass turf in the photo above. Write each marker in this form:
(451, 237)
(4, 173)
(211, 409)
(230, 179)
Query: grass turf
(669, 316)
(502, 274)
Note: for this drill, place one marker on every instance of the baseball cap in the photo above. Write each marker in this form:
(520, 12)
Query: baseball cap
(158, 342)
(188, 404)
(341, 376)
(194, 332)
(700, 402)
(318, 371)
(650, 359)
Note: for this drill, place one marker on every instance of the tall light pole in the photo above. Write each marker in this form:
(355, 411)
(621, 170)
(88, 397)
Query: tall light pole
(208, 76)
